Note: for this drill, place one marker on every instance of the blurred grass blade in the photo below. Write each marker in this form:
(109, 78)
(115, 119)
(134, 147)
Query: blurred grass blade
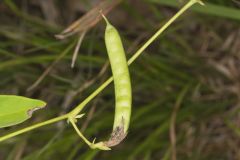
(48, 70)
(209, 9)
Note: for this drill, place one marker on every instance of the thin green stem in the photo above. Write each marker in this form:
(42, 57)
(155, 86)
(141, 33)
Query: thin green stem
(79, 132)
(161, 30)
(33, 127)
(78, 109)
(93, 145)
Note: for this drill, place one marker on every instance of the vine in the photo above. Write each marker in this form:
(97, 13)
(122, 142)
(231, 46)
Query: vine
(73, 115)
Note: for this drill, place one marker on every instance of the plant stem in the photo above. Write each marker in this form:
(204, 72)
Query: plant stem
(33, 127)
(93, 145)
(78, 132)
(161, 30)
(79, 108)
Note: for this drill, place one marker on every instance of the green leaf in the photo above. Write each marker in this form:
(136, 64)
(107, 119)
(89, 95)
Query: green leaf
(17, 109)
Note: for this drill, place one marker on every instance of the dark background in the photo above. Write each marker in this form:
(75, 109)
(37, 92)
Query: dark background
(190, 73)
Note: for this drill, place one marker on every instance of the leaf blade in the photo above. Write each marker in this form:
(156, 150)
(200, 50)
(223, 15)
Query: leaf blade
(17, 109)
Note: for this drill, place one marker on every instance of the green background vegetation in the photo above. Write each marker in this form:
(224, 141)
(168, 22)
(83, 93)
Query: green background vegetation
(190, 73)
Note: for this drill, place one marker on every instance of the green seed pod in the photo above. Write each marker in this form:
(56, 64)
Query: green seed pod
(122, 85)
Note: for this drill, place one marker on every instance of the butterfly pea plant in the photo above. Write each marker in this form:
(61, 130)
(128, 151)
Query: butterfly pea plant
(17, 109)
